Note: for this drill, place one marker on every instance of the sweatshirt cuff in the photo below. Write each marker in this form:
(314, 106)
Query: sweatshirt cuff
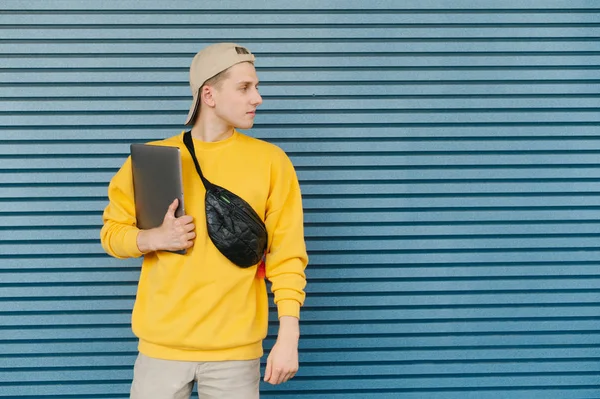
(130, 243)
(288, 307)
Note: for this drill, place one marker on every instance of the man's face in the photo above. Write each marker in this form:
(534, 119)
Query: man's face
(236, 96)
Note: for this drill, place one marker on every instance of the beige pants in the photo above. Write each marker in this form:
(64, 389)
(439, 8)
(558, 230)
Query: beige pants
(169, 379)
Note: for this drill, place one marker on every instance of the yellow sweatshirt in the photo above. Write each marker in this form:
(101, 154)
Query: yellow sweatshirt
(200, 306)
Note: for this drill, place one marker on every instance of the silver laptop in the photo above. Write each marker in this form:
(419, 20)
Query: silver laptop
(157, 182)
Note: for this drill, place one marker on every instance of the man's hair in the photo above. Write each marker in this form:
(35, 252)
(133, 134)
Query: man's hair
(216, 80)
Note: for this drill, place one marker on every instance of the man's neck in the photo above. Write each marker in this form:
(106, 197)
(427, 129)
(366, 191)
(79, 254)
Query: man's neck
(211, 132)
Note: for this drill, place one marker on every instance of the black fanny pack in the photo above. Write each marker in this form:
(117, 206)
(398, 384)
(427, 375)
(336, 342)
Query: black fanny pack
(233, 225)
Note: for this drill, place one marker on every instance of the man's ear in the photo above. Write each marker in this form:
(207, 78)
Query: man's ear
(206, 95)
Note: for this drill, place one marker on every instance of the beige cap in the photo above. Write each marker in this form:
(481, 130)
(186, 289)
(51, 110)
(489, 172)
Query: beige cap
(209, 62)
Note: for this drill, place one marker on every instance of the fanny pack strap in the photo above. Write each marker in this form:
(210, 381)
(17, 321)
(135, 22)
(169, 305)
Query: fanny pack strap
(189, 143)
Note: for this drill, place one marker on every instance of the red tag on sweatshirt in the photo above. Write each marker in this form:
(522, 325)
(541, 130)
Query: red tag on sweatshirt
(260, 270)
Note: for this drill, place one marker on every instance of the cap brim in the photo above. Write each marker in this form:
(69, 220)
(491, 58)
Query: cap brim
(193, 110)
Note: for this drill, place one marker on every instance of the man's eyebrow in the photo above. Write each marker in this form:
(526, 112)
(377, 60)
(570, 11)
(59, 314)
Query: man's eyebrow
(248, 82)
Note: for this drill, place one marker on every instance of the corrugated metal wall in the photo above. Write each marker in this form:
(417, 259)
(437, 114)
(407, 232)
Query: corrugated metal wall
(449, 158)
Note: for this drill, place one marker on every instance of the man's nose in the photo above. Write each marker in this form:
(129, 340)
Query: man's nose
(257, 99)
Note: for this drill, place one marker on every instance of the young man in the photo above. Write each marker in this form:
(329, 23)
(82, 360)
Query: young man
(198, 316)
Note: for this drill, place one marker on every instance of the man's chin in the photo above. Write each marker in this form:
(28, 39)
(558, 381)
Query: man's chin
(245, 125)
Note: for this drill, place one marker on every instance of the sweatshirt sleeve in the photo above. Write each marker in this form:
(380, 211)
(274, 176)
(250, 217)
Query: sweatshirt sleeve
(119, 232)
(286, 255)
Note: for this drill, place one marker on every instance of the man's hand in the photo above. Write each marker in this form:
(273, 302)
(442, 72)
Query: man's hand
(173, 235)
(282, 363)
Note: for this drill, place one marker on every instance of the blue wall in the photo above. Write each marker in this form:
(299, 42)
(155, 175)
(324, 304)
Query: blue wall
(448, 155)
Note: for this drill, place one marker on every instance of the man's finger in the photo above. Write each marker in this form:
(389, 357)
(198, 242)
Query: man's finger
(172, 208)
(275, 377)
(268, 371)
(289, 377)
(187, 221)
(285, 377)
(279, 375)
